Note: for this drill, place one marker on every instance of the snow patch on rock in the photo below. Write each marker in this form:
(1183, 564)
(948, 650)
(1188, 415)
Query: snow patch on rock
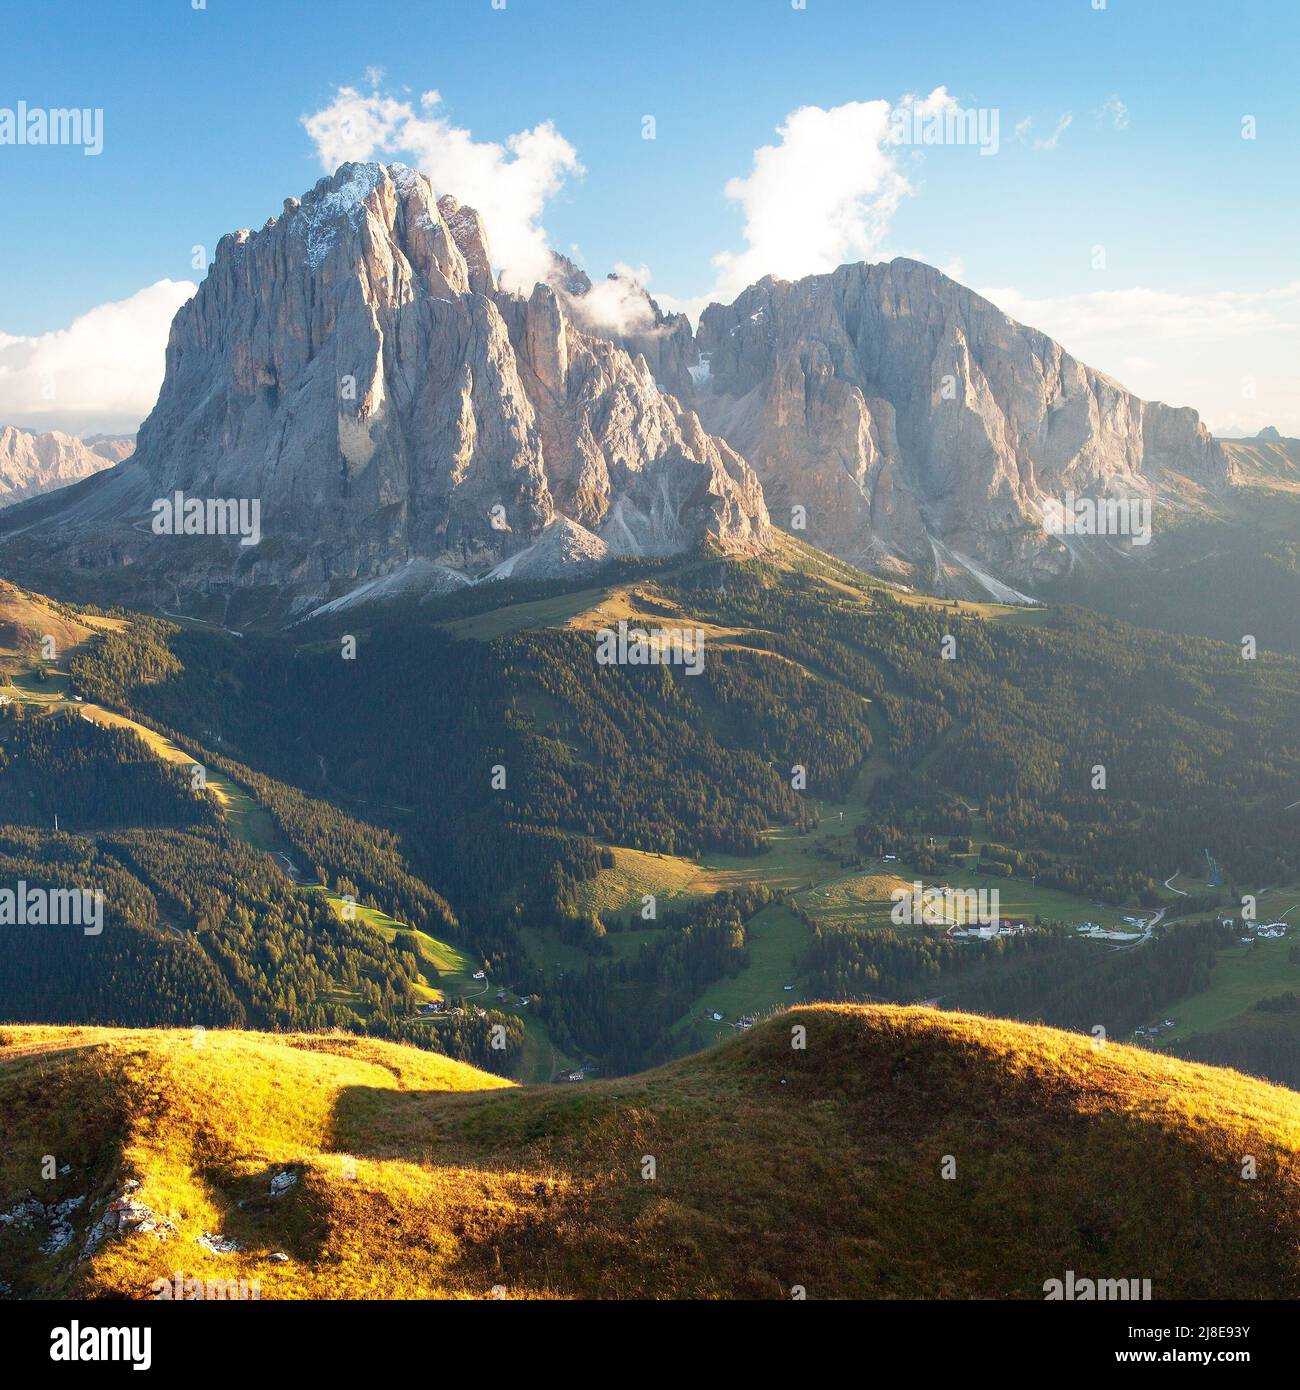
(321, 212)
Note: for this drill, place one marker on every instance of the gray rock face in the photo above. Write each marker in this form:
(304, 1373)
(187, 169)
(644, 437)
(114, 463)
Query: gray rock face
(896, 406)
(352, 368)
(564, 548)
(902, 422)
(32, 464)
(632, 319)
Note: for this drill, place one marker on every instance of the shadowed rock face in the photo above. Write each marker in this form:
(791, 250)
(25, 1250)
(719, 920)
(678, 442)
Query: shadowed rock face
(352, 367)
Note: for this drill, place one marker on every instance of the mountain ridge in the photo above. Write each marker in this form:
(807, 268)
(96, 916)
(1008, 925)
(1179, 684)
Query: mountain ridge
(897, 408)
(810, 1154)
(353, 367)
(35, 462)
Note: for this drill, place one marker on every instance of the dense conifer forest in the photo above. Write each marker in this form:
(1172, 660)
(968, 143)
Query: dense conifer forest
(469, 785)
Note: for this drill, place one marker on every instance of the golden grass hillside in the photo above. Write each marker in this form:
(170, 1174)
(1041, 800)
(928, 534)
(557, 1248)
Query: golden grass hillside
(27, 619)
(773, 1167)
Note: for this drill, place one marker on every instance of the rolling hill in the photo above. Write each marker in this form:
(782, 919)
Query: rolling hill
(26, 619)
(396, 1173)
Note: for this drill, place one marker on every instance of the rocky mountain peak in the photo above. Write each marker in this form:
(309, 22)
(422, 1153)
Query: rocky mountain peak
(567, 277)
(470, 236)
(902, 419)
(352, 368)
(355, 368)
(32, 463)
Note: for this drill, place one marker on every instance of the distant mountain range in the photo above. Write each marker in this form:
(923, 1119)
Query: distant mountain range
(34, 463)
(401, 422)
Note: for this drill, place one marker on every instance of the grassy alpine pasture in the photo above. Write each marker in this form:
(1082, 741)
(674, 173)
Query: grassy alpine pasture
(776, 937)
(811, 866)
(27, 619)
(637, 601)
(520, 617)
(249, 820)
(863, 898)
(448, 971)
(775, 1165)
(1243, 976)
(793, 860)
(27, 622)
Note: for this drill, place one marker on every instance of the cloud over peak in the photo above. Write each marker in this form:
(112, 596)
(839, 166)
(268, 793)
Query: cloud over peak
(509, 184)
(822, 195)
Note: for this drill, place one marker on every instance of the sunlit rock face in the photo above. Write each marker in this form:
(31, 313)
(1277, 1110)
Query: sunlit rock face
(352, 366)
(898, 408)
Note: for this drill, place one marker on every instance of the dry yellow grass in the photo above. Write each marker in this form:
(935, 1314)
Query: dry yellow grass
(774, 1166)
(26, 619)
(157, 744)
(669, 877)
(862, 890)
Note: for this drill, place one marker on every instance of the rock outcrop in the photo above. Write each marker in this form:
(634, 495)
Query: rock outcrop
(400, 420)
(897, 407)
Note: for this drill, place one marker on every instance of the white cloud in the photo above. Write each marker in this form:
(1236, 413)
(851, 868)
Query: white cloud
(823, 195)
(1023, 129)
(101, 373)
(1156, 314)
(619, 304)
(509, 184)
(1114, 111)
(355, 127)
(1233, 354)
(1051, 141)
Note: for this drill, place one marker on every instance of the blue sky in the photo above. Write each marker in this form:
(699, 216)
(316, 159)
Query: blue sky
(1197, 301)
